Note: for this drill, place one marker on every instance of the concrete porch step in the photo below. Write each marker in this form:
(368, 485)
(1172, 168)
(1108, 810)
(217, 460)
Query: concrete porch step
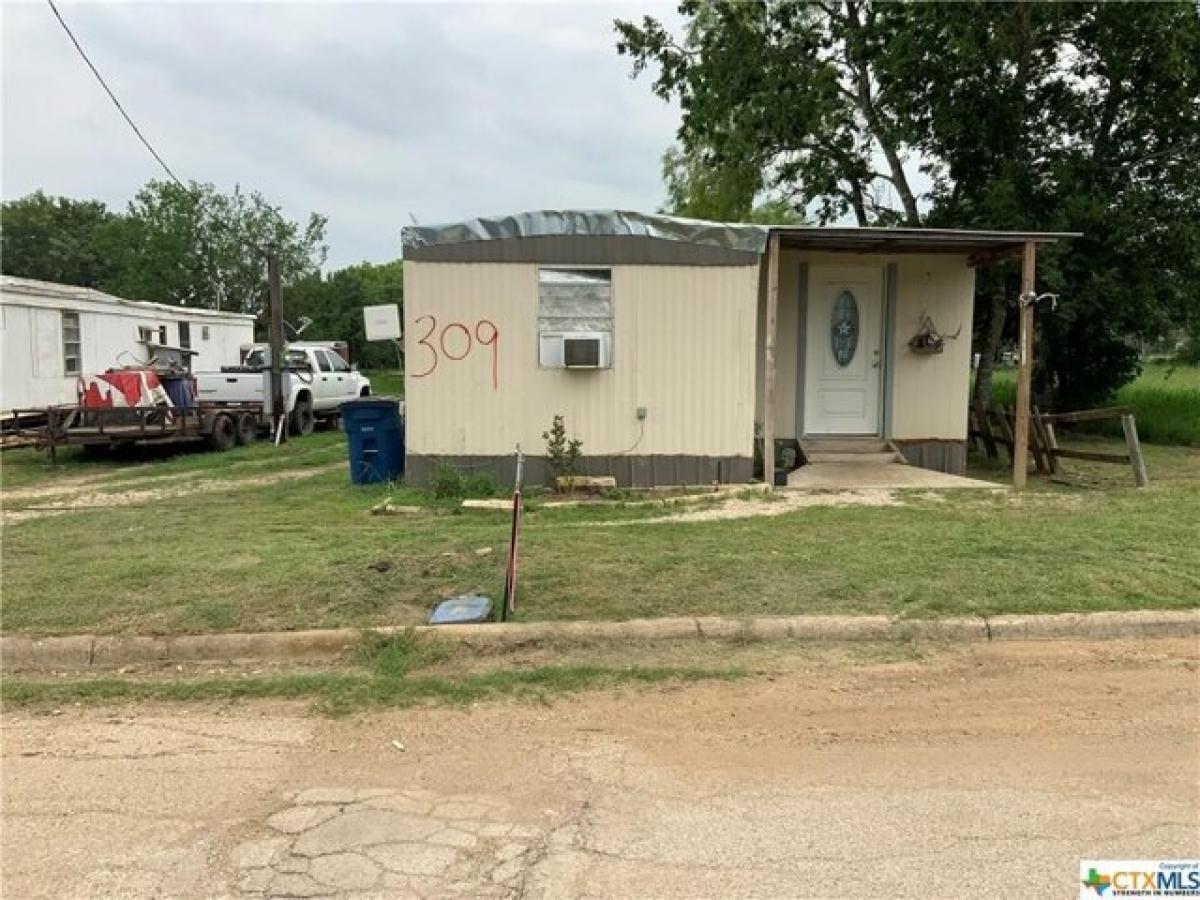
(882, 457)
(865, 450)
(844, 444)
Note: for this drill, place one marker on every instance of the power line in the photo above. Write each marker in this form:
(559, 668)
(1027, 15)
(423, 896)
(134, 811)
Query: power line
(113, 96)
(205, 250)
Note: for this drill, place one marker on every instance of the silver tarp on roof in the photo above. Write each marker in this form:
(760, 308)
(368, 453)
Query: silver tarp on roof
(606, 222)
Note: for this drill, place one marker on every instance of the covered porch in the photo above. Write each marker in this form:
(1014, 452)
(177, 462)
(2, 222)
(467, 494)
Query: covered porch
(864, 349)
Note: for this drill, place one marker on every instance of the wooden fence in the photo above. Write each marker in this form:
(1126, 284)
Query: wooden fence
(993, 428)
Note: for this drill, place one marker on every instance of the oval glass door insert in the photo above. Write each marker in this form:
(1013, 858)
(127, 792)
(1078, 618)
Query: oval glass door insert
(843, 328)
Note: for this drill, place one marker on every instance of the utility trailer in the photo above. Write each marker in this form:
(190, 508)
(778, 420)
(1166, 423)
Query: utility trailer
(220, 425)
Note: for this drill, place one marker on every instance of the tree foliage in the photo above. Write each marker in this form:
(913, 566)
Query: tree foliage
(334, 302)
(787, 90)
(1067, 117)
(57, 239)
(1070, 116)
(191, 246)
(727, 193)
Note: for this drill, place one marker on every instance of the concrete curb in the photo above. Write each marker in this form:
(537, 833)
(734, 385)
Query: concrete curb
(100, 652)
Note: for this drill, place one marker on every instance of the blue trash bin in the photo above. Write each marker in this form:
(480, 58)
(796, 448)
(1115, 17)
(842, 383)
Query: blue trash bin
(375, 433)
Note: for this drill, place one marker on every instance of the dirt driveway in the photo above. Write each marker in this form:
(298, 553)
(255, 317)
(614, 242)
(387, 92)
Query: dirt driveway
(985, 771)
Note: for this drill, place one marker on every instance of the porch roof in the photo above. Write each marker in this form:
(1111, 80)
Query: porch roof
(980, 244)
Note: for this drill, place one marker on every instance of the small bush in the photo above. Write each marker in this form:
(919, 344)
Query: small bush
(448, 483)
(480, 484)
(562, 455)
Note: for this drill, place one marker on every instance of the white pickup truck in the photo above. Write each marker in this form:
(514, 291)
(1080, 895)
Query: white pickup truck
(316, 381)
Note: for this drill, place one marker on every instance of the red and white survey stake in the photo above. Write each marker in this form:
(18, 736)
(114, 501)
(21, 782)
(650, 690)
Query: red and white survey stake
(510, 575)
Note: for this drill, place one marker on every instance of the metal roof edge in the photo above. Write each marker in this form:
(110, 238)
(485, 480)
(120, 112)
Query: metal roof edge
(741, 236)
(589, 223)
(53, 289)
(965, 235)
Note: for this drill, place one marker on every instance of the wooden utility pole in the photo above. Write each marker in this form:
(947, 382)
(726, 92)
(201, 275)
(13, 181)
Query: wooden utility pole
(769, 362)
(275, 337)
(1028, 298)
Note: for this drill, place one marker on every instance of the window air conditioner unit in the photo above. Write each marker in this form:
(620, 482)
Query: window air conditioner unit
(576, 350)
(147, 334)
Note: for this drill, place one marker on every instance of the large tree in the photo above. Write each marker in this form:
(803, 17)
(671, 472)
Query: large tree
(334, 303)
(56, 239)
(788, 90)
(190, 245)
(1073, 116)
(698, 189)
(197, 246)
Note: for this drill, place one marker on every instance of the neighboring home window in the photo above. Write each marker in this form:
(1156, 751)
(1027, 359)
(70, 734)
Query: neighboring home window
(573, 302)
(204, 332)
(72, 345)
(185, 335)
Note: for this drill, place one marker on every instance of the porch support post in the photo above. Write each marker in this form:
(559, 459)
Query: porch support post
(769, 362)
(1020, 457)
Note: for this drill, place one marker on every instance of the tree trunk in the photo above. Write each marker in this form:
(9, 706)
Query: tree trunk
(858, 202)
(989, 344)
(912, 216)
(865, 96)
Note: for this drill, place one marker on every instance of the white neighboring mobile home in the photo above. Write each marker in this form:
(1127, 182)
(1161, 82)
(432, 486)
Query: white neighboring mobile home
(53, 333)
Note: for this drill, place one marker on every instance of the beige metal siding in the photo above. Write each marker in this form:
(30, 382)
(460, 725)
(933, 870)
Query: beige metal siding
(930, 392)
(787, 344)
(683, 347)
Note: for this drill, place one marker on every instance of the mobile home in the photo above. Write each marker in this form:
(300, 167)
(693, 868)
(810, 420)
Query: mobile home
(670, 345)
(53, 333)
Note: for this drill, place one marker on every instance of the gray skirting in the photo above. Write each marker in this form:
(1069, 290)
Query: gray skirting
(941, 456)
(630, 471)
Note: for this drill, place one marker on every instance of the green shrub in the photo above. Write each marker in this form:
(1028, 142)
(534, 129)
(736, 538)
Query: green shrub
(562, 455)
(448, 483)
(479, 484)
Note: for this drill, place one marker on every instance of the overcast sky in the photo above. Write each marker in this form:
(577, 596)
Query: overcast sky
(362, 112)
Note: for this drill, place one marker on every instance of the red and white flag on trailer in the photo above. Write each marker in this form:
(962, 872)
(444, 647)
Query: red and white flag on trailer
(510, 575)
(122, 388)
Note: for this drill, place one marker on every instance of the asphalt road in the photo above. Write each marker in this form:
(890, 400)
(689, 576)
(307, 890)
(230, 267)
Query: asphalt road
(982, 771)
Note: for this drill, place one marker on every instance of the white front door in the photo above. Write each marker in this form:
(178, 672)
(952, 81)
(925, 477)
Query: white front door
(843, 350)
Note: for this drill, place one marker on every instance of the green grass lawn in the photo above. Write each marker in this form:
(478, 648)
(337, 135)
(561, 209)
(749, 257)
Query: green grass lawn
(24, 469)
(398, 670)
(307, 553)
(387, 382)
(1165, 399)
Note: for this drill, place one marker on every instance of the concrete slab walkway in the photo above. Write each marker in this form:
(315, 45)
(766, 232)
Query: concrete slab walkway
(842, 476)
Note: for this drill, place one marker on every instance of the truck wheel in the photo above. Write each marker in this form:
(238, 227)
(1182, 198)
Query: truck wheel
(365, 392)
(302, 421)
(224, 433)
(247, 428)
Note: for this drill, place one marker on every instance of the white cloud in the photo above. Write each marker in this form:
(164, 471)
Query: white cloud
(364, 112)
